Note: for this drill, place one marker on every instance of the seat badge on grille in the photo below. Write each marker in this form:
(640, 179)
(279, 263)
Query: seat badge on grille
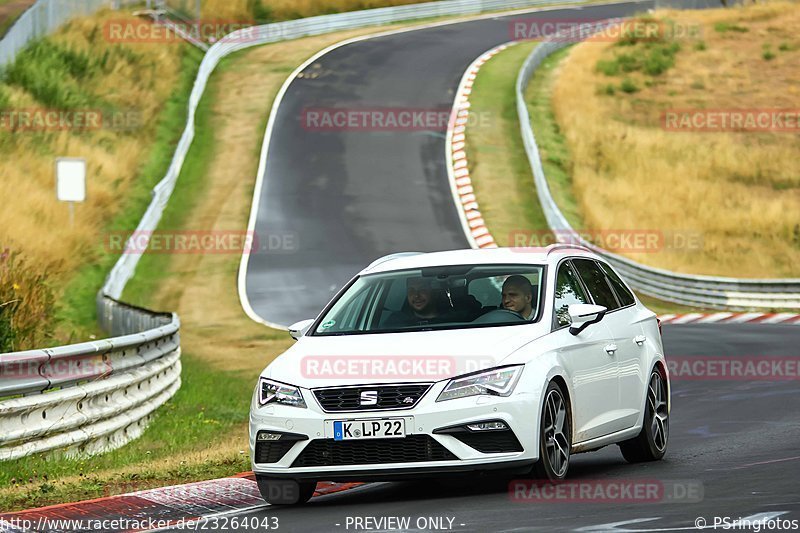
(408, 399)
(369, 397)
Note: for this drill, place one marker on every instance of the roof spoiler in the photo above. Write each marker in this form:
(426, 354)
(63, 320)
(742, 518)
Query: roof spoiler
(391, 257)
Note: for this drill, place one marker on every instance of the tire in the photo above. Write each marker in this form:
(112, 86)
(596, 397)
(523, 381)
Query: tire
(651, 443)
(555, 435)
(285, 491)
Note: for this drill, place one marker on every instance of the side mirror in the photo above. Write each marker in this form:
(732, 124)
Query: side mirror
(584, 315)
(298, 329)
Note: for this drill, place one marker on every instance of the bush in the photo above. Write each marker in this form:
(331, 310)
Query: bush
(608, 67)
(628, 86)
(700, 46)
(768, 54)
(660, 59)
(26, 303)
(53, 74)
(261, 13)
(725, 27)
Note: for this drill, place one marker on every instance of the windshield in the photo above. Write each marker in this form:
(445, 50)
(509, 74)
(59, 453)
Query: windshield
(445, 297)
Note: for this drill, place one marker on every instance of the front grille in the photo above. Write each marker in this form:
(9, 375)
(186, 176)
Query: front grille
(272, 451)
(490, 441)
(412, 448)
(388, 396)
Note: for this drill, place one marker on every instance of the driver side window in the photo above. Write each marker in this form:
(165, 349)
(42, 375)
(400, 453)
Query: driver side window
(568, 291)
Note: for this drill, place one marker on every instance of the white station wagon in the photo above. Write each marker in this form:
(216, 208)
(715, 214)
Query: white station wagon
(469, 360)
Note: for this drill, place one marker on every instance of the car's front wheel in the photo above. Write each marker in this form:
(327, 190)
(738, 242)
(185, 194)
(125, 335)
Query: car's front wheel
(555, 435)
(651, 443)
(285, 491)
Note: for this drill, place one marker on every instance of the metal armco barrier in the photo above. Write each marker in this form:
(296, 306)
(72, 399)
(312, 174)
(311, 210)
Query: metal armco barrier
(703, 291)
(96, 396)
(90, 397)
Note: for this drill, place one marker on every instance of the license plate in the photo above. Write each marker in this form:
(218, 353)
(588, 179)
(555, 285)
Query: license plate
(386, 428)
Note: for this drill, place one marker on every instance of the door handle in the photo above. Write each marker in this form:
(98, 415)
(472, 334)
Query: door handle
(639, 339)
(611, 348)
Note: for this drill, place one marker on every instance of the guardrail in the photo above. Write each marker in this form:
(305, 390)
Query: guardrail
(695, 290)
(92, 397)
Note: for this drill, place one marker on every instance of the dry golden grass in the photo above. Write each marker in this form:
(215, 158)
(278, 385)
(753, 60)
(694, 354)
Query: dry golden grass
(740, 190)
(32, 220)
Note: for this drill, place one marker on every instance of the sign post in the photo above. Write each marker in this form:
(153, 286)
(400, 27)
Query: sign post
(71, 183)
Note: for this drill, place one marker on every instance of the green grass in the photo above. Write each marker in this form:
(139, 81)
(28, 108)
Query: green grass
(153, 268)
(500, 169)
(76, 312)
(727, 27)
(556, 158)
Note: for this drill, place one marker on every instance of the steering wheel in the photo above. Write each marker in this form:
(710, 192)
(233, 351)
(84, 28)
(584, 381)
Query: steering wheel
(498, 315)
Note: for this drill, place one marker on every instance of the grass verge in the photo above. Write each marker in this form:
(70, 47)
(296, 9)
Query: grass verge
(724, 200)
(499, 167)
(497, 162)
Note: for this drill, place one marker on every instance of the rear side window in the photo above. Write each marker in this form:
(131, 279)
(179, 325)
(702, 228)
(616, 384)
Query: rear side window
(596, 283)
(568, 292)
(623, 293)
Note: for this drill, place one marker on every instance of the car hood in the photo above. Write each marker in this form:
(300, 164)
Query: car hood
(409, 357)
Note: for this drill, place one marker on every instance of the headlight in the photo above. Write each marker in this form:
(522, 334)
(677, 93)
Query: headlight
(495, 382)
(275, 392)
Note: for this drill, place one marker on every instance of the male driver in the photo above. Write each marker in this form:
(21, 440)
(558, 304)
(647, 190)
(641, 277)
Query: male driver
(518, 295)
(421, 308)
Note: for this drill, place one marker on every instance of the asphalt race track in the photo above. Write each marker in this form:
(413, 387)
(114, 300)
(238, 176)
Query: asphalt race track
(735, 440)
(348, 197)
(341, 199)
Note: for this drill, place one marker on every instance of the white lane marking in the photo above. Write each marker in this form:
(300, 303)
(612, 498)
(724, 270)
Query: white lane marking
(614, 526)
(666, 318)
(772, 461)
(262, 163)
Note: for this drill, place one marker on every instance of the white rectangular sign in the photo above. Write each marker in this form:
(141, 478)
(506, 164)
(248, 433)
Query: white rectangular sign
(71, 179)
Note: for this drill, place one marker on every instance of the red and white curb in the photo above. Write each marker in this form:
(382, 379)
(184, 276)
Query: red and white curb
(153, 509)
(732, 318)
(457, 164)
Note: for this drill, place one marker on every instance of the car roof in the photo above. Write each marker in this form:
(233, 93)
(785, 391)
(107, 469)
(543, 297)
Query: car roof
(482, 256)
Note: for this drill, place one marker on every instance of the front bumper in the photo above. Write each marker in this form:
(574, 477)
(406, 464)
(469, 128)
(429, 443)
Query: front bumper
(519, 411)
